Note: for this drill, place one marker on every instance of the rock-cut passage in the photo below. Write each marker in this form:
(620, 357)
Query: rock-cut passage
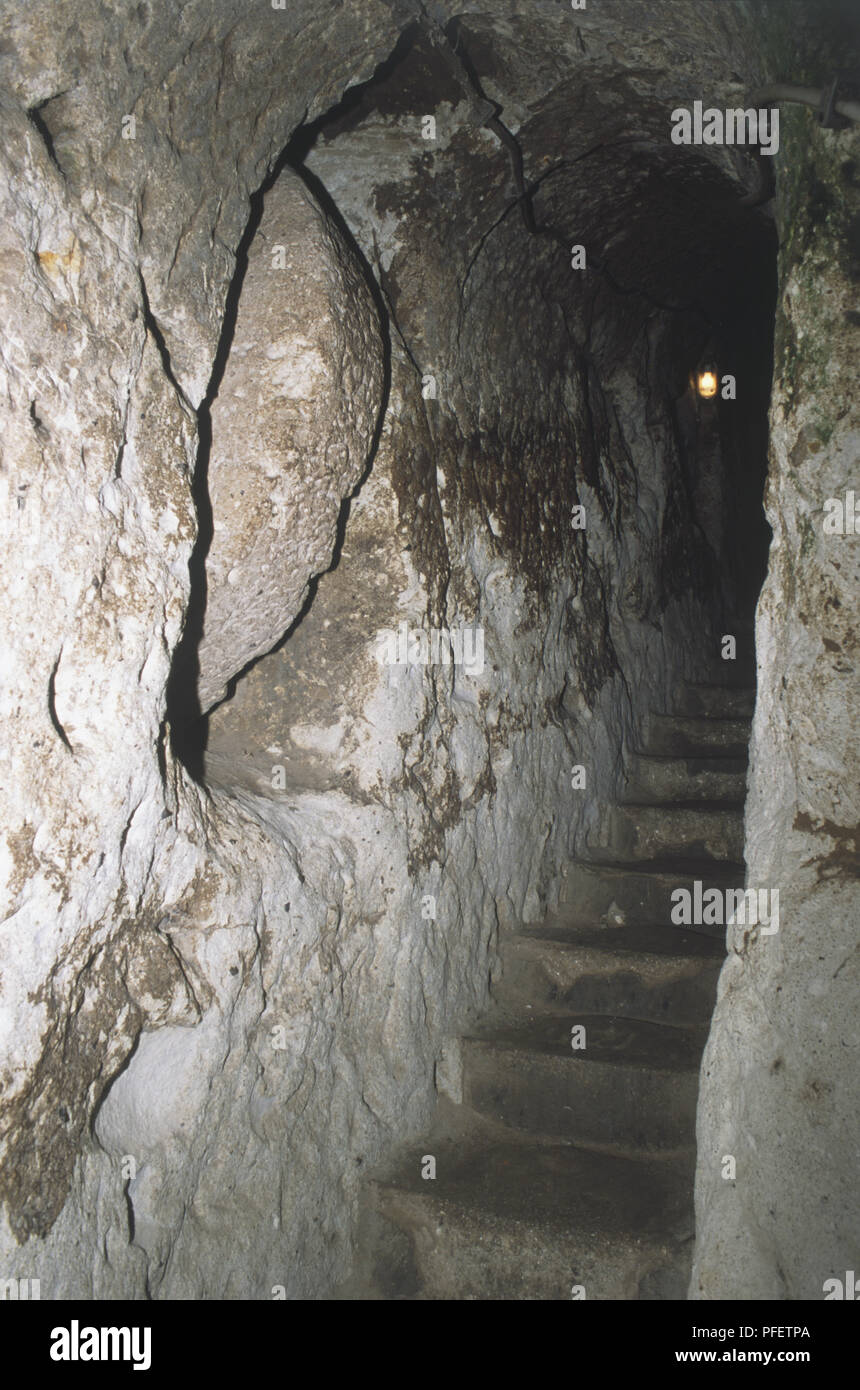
(561, 1160)
(383, 337)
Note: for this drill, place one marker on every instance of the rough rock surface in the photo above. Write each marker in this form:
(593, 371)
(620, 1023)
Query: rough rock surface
(119, 242)
(780, 1089)
(292, 428)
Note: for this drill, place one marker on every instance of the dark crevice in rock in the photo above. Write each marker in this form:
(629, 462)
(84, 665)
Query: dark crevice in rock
(52, 706)
(305, 137)
(188, 729)
(37, 120)
(188, 723)
(152, 327)
(495, 123)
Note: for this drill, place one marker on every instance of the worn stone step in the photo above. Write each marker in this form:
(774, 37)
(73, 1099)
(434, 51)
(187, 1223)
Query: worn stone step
(716, 701)
(573, 1164)
(698, 831)
(631, 1089)
(662, 780)
(521, 1222)
(640, 972)
(619, 895)
(679, 736)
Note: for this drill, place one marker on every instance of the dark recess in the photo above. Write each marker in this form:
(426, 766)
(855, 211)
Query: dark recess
(189, 726)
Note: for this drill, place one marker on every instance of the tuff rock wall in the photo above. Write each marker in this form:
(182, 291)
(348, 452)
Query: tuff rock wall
(779, 1089)
(230, 980)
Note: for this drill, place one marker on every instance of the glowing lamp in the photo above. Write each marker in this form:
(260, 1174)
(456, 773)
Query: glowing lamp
(707, 384)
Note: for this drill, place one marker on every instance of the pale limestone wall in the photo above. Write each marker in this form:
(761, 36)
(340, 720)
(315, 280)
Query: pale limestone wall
(779, 1087)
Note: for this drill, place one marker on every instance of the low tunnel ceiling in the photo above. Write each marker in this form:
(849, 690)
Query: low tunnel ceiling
(518, 342)
(587, 98)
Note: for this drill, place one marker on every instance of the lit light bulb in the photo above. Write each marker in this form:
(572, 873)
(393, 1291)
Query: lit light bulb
(707, 384)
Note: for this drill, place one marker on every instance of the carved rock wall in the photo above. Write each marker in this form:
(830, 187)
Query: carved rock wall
(221, 1000)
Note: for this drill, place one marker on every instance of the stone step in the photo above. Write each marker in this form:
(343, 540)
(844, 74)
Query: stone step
(521, 1222)
(572, 1165)
(631, 1089)
(639, 972)
(716, 701)
(697, 831)
(658, 780)
(617, 895)
(679, 736)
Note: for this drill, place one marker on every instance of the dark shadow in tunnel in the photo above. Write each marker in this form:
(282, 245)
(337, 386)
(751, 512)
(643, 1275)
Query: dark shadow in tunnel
(189, 726)
(357, 99)
(729, 436)
(746, 351)
(183, 704)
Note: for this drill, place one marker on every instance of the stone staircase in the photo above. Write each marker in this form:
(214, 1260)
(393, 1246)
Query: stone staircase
(561, 1169)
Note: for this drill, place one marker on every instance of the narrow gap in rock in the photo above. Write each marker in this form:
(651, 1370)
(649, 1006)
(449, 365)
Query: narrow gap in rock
(187, 725)
(37, 120)
(190, 725)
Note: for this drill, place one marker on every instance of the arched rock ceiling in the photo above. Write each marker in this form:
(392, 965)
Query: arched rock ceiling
(587, 96)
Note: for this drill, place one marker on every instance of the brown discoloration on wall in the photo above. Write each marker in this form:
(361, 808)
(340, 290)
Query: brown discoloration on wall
(843, 861)
(132, 981)
(92, 1028)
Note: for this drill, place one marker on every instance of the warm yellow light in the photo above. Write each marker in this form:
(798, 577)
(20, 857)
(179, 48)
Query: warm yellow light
(707, 384)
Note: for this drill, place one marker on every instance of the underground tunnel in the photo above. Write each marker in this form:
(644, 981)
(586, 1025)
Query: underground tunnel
(429, 831)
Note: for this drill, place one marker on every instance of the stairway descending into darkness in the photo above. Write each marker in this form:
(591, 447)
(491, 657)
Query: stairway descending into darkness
(568, 1172)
